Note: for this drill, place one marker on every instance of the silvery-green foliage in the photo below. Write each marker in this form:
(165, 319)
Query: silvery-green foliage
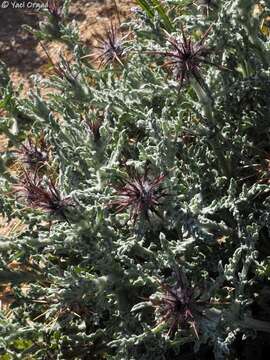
(81, 288)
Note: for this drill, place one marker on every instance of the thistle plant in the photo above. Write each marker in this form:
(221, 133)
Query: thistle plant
(39, 196)
(93, 126)
(188, 170)
(54, 9)
(63, 69)
(177, 307)
(54, 24)
(141, 195)
(33, 153)
(186, 57)
(185, 60)
(53, 21)
(110, 48)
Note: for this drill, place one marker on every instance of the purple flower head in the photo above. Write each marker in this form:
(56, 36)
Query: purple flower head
(185, 58)
(142, 195)
(39, 196)
(34, 154)
(93, 126)
(176, 306)
(110, 48)
(54, 9)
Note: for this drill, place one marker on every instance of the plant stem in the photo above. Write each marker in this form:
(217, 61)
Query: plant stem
(215, 138)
